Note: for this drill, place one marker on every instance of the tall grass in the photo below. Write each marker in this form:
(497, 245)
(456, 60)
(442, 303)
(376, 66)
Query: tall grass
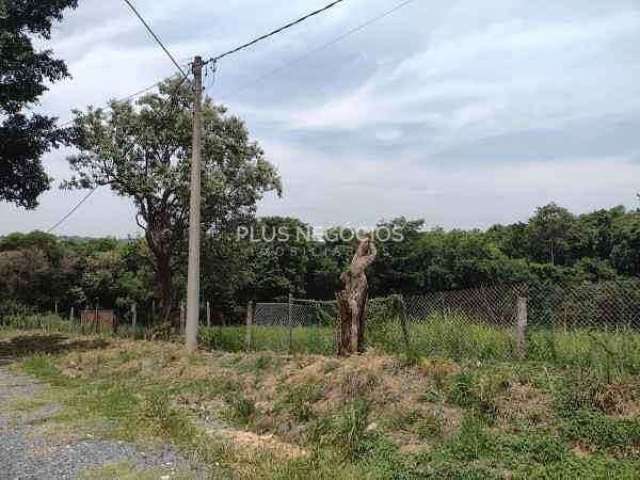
(315, 340)
(456, 337)
(48, 323)
(609, 353)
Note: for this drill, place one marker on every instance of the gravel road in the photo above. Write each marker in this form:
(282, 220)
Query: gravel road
(25, 453)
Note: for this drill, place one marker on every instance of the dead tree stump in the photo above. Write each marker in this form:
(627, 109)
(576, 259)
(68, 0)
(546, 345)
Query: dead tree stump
(352, 300)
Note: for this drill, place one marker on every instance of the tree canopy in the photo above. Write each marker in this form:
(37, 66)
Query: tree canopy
(38, 270)
(24, 74)
(143, 152)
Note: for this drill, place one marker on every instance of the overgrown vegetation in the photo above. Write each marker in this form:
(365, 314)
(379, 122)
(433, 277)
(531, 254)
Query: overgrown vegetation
(554, 247)
(265, 415)
(607, 353)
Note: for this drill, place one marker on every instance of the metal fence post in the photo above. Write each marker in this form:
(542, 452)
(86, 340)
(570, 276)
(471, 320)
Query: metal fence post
(95, 319)
(134, 317)
(521, 327)
(182, 318)
(402, 316)
(247, 339)
(290, 321)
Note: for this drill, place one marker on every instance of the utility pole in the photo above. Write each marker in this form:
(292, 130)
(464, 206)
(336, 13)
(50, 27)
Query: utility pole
(193, 276)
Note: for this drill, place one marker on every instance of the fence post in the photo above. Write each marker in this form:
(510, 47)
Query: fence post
(521, 327)
(56, 308)
(182, 318)
(290, 321)
(402, 315)
(247, 339)
(134, 317)
(208, 314)
(71, 314)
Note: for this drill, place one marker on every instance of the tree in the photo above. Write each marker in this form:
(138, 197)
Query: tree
(143, 152)
(550, 230)
(395, 269)
(625, 254)
(24, 72)
(281, 249)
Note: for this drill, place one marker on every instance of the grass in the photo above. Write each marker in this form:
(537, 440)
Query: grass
(610, 353)
(126, 471)
(311, 340)
(265, 415)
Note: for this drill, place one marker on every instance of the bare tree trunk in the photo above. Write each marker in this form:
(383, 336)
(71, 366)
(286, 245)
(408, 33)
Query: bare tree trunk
(352, 300)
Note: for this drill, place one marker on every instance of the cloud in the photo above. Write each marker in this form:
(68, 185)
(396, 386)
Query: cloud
(463, 114)
(330, 191)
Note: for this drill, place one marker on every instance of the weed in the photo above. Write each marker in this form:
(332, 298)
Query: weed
(299, 398)
(241, 410)
(349, 429)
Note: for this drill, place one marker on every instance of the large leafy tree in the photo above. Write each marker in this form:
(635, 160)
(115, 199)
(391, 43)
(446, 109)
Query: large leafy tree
(24, 73)
(550, 231)
(143, 152)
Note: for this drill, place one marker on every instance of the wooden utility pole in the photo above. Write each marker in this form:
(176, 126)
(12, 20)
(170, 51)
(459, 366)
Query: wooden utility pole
(193, 276)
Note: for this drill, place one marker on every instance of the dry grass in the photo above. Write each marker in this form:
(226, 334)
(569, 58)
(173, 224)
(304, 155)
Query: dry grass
(263, 415)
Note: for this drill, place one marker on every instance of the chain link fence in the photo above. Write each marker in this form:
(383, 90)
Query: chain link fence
(590, 324)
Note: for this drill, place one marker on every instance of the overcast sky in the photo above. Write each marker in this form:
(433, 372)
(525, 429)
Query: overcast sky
(463, 113)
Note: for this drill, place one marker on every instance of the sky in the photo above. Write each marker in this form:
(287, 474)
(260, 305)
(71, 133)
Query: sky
(463, 113)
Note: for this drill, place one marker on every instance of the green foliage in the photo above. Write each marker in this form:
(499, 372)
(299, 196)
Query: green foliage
(151, 166)
(48, 323)
(478, 392)
(26, 73)
(299, 399)
(318, 340)
(596, 251)
(347, 430)
(601, 431)
(241, 410)
(472, 442)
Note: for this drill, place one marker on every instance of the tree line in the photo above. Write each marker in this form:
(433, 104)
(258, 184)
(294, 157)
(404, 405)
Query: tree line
(141, 150)
(39, 270)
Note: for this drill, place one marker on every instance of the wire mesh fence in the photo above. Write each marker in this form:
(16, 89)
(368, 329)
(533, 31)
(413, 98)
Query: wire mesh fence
(590, 324)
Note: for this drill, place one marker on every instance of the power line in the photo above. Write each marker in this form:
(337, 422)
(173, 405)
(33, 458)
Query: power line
(92, 191)
(73, 210)
(274, 32)
(155, 37)
(185, 76)
(126, 98)
(319, 48)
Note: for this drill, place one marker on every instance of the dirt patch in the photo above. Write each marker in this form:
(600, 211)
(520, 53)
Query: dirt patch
(619, 400)
(263, 443)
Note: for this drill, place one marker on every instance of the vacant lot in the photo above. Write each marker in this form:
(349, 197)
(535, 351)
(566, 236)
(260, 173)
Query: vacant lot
(265, 415)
